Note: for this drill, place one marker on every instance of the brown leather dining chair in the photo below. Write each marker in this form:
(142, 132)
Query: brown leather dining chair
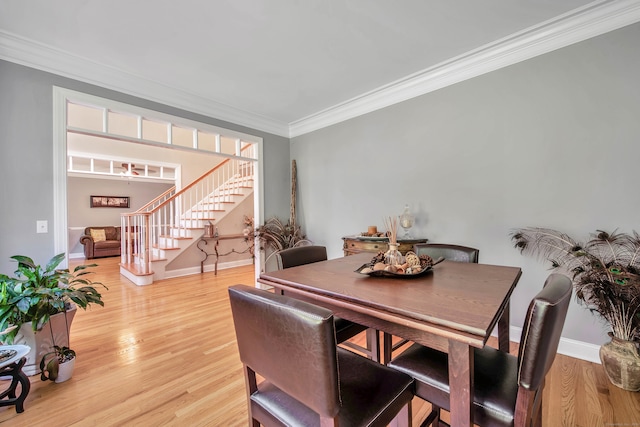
(507, 389)
(307, 379)
(449, 252)
(345, 329)
(434, 250)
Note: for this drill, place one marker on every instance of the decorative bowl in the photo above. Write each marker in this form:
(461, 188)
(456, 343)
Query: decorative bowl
(383, 273)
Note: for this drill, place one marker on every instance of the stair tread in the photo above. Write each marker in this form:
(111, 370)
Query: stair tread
(197, 219)
(134, 269)
(165, 248)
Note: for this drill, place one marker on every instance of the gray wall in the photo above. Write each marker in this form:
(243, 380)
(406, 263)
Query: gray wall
(26, 167)
(553, 142)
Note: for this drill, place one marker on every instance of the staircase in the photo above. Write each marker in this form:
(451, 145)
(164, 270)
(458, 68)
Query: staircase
(164, 228)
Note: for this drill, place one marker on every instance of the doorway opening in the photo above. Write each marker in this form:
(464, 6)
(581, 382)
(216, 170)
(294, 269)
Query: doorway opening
(113, 140)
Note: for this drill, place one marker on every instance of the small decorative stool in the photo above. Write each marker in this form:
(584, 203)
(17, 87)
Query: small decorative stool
(12, 359)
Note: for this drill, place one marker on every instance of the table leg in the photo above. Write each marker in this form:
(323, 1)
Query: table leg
(503, 330)
(387, 348)
(461, 383)
(373, 343)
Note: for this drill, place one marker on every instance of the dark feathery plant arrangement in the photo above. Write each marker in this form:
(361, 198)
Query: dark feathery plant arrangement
(605, 269)
(279, 235)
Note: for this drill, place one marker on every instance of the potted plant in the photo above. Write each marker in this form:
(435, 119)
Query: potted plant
(39, 296)
(606, 278)
(58, 364)
(276, 235)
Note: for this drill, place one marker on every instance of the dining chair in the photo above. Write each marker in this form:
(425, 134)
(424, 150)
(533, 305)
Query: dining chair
(507, 388)
(307, 379)
(449, 252)
(434, 250)
(345, 329)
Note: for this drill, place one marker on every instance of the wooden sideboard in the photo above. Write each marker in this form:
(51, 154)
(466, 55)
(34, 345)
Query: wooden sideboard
(356, 244)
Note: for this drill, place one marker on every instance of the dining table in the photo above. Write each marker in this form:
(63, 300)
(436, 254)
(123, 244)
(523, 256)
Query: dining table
(452, 307)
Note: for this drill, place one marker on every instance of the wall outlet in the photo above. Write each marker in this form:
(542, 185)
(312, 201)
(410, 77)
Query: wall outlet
(42, 226)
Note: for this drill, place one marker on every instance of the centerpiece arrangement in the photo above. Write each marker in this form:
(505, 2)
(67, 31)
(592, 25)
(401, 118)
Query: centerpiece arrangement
(606, 278)
(392, 263)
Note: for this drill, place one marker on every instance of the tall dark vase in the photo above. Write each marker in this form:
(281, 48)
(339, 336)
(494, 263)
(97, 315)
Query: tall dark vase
(621, 362)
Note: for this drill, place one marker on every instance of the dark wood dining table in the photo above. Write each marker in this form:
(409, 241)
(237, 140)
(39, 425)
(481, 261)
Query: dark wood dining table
(453, 308)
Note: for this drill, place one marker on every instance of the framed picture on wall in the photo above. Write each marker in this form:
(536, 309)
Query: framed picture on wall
(109, 201)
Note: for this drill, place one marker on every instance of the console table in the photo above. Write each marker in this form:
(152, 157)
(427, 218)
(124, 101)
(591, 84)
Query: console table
(204, 241)
(357, 244)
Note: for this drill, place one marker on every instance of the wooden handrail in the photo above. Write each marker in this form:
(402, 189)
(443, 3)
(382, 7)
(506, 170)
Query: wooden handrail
(179, 212)
(156, 199)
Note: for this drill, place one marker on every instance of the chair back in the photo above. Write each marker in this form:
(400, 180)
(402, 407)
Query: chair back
(542, 331)
(300, 255)
(290, 343)
(449, 252)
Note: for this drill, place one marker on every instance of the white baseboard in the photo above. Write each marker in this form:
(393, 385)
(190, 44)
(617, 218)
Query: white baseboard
(76, 255)
(135, 279)
(567, 346)
(207, 268)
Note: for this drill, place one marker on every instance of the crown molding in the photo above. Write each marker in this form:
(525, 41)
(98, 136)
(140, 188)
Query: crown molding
(577, 25)
(36, 55)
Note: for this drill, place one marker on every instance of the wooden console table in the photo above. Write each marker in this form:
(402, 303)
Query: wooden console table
(357, 244)
(204, 241)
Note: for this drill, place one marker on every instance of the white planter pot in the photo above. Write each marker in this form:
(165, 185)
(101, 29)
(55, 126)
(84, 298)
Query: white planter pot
(42, 341)
(65, 370)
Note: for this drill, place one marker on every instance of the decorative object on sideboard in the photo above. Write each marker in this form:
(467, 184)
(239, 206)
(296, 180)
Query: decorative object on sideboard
(209, 229)
(248, 226)
(406, 221)
(606, 277)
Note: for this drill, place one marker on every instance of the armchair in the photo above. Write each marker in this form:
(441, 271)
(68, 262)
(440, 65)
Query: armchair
(101, 241)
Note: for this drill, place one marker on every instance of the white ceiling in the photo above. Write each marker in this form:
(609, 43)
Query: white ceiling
(289, 66)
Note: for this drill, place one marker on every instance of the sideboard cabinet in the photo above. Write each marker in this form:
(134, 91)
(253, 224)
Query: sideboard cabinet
(357, 244)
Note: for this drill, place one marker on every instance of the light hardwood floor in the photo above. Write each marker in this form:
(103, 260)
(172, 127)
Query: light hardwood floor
(165, 354)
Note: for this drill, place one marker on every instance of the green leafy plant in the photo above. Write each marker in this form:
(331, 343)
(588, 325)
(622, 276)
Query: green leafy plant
(50, 362)
(605, 269)
(36, 293)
